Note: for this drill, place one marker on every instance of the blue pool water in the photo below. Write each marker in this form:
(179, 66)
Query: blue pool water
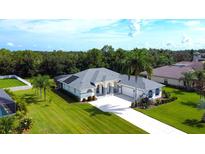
(2, 111)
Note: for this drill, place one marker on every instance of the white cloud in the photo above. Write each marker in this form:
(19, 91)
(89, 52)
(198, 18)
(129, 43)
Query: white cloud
(53, 26)
(200, 28)
(185, 39)
(134, 27)
(10, 44)
(192, 23)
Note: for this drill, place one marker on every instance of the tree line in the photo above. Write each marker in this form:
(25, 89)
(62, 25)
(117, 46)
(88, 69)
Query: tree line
(27, 63)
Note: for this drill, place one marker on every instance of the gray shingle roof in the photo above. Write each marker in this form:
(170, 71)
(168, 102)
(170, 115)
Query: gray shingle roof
(140, 82)
(60, 77)
(88, 78)
(5, 98)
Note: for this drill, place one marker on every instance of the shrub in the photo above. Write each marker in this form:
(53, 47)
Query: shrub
(144, 103)
(166, 94)
(165, 101)
(133, 105)
(7, 125)
(84, 100)
(145, 100)
(173, 98)
(94, 98)
(19, 115)
(24, 124)
(157, 101)
(21, 106)
(90, 98)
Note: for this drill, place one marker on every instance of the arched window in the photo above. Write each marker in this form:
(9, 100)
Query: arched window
(89, 91)
(98, 89)
(109, 88)
(157, 92)
(150, 94)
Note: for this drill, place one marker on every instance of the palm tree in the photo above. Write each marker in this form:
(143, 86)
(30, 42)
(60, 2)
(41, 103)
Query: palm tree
(42, 83)
(37, 83)
(188, 78)
(138, 61)
(200, 87)
(202, 106)
(200, 75)
(46, 84)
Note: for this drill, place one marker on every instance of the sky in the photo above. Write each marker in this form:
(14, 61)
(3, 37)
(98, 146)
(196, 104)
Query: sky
(82, 35)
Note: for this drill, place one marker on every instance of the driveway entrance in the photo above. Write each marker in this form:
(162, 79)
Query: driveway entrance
(120, 105)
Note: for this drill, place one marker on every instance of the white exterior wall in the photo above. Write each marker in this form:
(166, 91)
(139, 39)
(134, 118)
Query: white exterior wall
(157, 79)
(154, 94)
(173, 82)
(72, 90)
(85, 95)
(140, 92)
(80, 94)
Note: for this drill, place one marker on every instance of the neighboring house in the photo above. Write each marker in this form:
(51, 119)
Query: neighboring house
(198, 56)
(173, 74)
(102, 81)
(7, 105)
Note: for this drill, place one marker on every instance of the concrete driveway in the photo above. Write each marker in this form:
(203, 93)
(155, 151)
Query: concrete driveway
(120, 105)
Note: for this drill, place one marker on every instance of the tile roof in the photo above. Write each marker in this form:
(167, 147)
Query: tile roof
(176, 71)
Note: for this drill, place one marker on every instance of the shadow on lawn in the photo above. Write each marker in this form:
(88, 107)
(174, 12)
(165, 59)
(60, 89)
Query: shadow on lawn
(94, 111)
(193, 123)
(64, 96)
(191, 104)
(178, 92)
(30, 98)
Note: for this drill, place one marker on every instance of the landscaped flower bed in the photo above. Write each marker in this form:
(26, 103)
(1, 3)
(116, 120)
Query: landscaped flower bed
(145, 103)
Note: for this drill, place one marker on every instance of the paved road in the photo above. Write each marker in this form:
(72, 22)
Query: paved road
(120, 107)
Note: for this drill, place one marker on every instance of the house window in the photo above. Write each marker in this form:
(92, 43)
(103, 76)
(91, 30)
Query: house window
(150, 94)
(165, 81)
(89, 91)
(157, 92)
(98, 89)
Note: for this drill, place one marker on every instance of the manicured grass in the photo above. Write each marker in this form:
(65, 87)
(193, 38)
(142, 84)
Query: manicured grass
(182, 113)
(6, 83)
(61, 115)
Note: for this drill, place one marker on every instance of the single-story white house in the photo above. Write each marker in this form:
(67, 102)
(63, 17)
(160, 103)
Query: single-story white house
(102, 81)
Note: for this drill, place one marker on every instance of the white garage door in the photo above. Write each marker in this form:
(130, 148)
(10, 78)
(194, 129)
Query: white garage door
(127, 91)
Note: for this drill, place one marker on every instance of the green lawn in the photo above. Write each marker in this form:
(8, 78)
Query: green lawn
(60, 115)
(6, 83)
(182, 113)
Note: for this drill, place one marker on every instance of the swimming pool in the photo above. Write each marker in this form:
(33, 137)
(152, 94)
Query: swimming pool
(2, 111)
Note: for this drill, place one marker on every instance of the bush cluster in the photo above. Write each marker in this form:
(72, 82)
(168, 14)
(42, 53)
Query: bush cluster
(165, 100)
(90, 98)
